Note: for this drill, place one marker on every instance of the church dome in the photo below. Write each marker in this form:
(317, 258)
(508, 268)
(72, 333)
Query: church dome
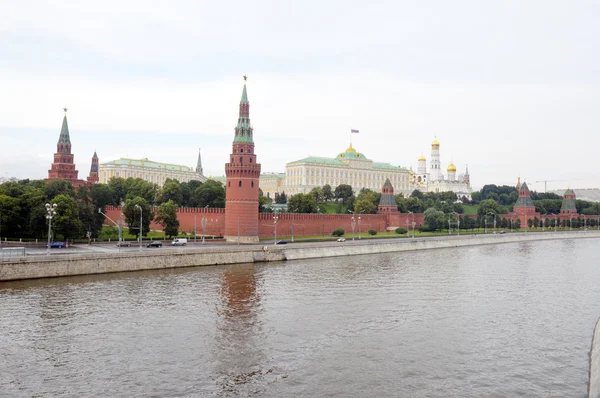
(350, 149)
(451, 168)
(422, 158)
(435, 142)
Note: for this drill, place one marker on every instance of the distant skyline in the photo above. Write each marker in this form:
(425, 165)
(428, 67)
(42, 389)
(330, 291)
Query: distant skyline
(510, 88)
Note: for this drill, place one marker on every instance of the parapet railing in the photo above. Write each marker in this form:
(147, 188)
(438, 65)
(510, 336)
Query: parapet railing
(12, 253)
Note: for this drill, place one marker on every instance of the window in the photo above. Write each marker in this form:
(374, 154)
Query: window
(240, 184)
(252, 184)
(241, 160)
(250, 160)
(229, 183)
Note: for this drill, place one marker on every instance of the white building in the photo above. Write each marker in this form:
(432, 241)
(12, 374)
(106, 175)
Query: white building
(151, 171)
(434, 181)
(348, 167)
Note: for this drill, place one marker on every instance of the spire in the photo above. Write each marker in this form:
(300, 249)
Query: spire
(243, 130)
(95, 155)
(64, 131)
(199, 164)
(244, 99)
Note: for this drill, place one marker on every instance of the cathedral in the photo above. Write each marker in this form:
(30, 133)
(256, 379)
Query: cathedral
(434, 181)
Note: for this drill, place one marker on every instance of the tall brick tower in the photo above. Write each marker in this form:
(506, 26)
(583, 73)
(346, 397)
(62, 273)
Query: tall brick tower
(93, 177)
(241, 187)
(63, 166)
(387, 203)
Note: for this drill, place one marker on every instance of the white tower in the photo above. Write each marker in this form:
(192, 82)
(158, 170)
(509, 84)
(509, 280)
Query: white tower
(435, 172)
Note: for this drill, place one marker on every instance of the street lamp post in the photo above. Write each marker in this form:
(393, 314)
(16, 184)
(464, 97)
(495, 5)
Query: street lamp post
(293, 226)
(571, 224)
(511, 221)
(457, 222)
(353, 223)
(413, 222)
(204, 221)
(555, 221)
(51, 209)
(275, 226)
(195, 236)
(140, 207)
(119, 226)
(494, 214)
(449, 219)
(359, 226)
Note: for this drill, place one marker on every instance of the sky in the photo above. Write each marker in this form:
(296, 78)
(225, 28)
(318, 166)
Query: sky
(510, 88)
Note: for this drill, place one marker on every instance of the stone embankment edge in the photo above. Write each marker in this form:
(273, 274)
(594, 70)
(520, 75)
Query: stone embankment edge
(59, 266)
(594, 385)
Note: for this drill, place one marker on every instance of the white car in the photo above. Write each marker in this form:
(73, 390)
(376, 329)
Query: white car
(341, 239)
(179, 242)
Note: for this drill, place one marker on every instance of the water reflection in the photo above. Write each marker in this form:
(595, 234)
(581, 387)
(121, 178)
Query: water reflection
(241, 363)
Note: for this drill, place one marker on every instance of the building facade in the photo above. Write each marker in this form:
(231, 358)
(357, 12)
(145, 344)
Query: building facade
(435, 181)
(349, 167)
(151, 171)
(241, 187)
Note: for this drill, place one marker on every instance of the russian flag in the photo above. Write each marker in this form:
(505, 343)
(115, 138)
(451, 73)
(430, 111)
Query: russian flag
(354, 131)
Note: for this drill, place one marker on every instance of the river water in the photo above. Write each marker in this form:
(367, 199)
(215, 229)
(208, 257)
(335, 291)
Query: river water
(498, 320)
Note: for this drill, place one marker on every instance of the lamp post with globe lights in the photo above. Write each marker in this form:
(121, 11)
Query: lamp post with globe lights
(51, 210)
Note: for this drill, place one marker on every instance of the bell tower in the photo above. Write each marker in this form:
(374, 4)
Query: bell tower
(63, 166)
(241, 186)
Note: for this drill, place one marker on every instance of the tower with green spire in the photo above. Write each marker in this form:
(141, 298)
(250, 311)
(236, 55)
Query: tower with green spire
(63, 167)
(241, 186)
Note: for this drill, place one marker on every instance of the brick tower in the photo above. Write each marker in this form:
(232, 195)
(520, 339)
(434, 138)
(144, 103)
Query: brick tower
(568, 209)
(241, 187)
(387, 203)
(524, 208)
(93, 177)
(63, 167)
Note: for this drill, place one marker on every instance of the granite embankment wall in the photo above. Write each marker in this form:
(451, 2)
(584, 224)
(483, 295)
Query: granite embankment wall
(70, 265)
(594, 386)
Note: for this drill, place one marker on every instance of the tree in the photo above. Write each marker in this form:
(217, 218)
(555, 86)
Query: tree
(166, 215)
(433, 219)
(487, 206)
(59, 187)
(365, 206)
(317, 192)
(417, 194)
(209, 193)
(132, 215)
(414, 204)
(171, 191)
(301, 203)
(529, 222)
(343, 192)
(327, 192)
(11, 217)
(66, 222)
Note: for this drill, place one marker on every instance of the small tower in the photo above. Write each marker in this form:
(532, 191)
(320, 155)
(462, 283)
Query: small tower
(63, 167)
(422, 165)
(568, 204)
(467, 177)
(451, 172)
(435, 171)
(199, 164)
(241, 187)
(93, 177)
(387, 203)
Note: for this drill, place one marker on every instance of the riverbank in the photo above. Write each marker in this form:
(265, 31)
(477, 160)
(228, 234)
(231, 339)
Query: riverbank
(594, 384)
(84, 264)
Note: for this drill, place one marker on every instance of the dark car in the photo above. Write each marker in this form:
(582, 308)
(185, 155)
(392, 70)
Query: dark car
(154, 243)
(124, 244)
(281, 242)
(56, 245)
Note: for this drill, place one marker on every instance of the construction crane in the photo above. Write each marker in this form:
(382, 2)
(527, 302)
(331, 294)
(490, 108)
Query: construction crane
(546, 183)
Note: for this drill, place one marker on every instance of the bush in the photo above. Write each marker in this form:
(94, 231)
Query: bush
(338, 232)
(372, 232)
(400, 231)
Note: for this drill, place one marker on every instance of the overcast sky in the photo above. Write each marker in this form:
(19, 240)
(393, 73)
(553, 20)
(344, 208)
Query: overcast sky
(508, 87)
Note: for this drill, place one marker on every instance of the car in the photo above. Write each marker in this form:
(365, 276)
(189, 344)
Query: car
(124, 244)
(281, 242)
(501, 232)
(341, 239)
(56, 245)
(154, 243)
(179, 242)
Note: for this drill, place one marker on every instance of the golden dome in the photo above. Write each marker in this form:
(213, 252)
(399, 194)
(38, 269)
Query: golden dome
(350, 149)
(422, 158)
(435, 142)
(451, 168)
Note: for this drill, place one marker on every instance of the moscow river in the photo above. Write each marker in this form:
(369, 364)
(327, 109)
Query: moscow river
(485, 321)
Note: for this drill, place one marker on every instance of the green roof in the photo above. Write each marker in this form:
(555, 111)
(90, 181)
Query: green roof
(351, 156)
(244, 99)
(64, 133)
(385, 166)
(272, 175)
(318, 160)
(149, 164)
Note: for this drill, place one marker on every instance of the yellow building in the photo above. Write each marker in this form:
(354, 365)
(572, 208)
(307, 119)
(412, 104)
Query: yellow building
(349, 167)
(148, 170)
